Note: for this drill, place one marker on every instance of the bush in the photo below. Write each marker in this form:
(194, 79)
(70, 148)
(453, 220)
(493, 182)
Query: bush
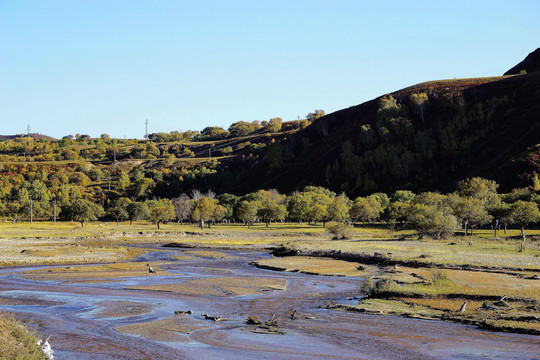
(339, 230)
(371, 288)
(440, 278)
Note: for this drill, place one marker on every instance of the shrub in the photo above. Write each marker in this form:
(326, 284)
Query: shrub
(339, 230)
(440, 278)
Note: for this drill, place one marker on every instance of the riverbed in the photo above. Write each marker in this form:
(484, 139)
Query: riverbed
(95, 314)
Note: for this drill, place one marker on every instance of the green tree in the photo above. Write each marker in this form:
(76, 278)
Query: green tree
(338, 208)
(247, 211)
(85, 210)
(229, 202)
(430, 220)
(119, 210)
(274, 125)
(365, 209)
(524, 213)
(298, 206)
(470, 211)
(395, 212)
(123, 180)
(138, 211)
(203, 210)
(161, 211)
(479, 188)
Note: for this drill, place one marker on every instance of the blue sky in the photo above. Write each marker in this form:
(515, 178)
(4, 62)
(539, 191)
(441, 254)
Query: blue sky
(94, 67)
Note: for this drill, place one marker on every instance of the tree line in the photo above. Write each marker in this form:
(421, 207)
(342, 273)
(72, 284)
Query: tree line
(474, 203)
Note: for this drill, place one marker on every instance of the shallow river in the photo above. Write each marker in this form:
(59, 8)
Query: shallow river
(73, 314)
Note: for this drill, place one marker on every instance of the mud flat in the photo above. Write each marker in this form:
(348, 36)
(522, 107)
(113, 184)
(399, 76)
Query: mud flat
(220, 286)
(314, 266)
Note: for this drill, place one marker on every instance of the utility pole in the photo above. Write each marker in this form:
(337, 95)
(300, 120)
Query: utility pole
(54, 211)
(31, 211)
(109, 182)
(209, 155)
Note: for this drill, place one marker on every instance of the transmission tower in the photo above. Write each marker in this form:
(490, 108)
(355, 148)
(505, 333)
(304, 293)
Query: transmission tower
(146, 133)
(28, 130)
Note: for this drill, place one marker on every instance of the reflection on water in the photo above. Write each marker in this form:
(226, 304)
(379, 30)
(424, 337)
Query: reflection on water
(82, 317)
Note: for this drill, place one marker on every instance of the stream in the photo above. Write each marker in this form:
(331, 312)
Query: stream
(74, 314)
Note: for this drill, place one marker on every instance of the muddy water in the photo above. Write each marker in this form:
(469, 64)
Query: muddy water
(81, 316)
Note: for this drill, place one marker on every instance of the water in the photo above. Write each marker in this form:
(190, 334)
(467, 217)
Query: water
(72, 314)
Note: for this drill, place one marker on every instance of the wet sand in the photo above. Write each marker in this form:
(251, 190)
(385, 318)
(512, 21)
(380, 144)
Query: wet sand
(127, 319)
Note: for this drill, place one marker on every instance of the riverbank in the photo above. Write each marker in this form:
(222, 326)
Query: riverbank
(480, 274)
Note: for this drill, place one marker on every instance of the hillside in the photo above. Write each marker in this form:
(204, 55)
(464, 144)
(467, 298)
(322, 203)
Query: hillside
(33, 135)
(529, 65)
(424, 137)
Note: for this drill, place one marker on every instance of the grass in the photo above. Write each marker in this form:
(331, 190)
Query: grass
(443, 293)
(17, 341)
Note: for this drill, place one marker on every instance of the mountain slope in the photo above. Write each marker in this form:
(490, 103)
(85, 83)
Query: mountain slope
(425, 137)
(530, 64)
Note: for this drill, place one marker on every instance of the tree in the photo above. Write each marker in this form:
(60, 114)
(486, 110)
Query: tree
(161, 211)
(229, 202)
(137, 211)
(274, 125)
(247, 211)
(470, 211)
(119, 210)
(85, 210)
(420, 100)
(182, 207)
(298, 206)
(338, 208)
(213, 133)
(524, 213)
(242, 128)
(123, 180)
(396, 211)
(318, 207)
(203, 210)
(430, 220)
(312, 116)
(479, 188)
(365, 209)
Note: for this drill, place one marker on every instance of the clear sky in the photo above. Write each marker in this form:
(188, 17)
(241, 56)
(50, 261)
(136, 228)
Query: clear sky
(105, 66)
